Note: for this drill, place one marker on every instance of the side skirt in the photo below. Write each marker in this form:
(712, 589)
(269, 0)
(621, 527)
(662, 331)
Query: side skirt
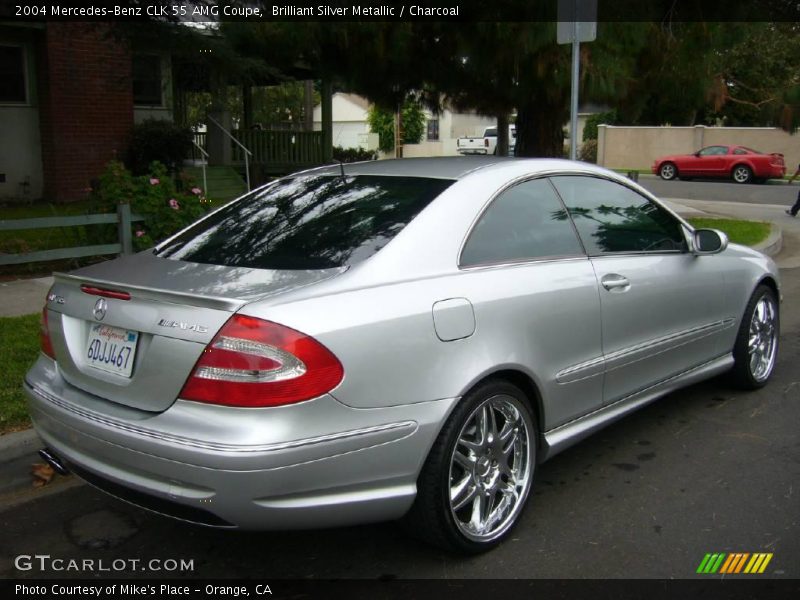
(566, 435)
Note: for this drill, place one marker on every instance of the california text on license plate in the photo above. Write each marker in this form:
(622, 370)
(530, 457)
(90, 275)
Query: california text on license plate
(111, 349)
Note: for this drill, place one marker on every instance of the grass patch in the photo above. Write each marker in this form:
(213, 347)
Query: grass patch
(747, 233)
(19, 347)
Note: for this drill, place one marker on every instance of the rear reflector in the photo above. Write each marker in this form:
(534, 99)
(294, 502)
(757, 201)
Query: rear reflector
(45, 343)
(254, 363)
(106, 293)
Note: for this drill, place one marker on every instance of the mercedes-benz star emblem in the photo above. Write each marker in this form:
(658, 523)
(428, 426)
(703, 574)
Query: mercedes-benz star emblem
(100, 308)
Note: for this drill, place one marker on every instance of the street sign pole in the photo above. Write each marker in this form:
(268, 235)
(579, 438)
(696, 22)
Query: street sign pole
(577, 22)
(573, 111)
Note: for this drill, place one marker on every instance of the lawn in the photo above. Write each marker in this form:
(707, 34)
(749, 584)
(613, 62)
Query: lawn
(748, 233)
(19, 347)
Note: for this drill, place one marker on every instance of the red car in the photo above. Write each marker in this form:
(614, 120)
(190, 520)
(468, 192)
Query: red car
(737, 162)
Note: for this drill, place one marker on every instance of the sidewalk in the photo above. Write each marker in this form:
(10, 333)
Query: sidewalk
(23, 296)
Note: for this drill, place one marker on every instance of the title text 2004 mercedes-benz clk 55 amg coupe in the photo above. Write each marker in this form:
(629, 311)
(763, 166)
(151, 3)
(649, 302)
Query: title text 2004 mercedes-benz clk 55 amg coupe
(389, 339)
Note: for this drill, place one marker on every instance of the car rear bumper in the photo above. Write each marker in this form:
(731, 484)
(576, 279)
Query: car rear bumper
(776, 172)
(245, 468)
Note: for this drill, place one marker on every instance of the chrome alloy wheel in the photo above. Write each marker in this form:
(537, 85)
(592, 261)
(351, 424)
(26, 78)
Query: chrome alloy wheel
(491, 468)
(761, 343)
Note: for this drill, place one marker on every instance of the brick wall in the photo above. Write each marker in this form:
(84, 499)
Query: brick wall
(86, 101)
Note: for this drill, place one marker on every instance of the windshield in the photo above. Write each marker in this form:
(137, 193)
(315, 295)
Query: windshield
(307, 222)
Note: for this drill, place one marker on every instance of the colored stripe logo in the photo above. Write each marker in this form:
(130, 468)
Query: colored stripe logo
(734, 563)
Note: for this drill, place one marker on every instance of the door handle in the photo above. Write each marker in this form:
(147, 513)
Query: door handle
(613, 282)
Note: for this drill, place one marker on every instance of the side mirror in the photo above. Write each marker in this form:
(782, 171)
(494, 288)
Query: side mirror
(709, 241)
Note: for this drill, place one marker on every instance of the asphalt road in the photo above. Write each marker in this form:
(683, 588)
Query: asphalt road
(706, 469)
(772, 192)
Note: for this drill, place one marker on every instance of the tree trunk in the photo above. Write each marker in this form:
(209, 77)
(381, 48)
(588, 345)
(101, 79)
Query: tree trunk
(540, 129)
(502, 135)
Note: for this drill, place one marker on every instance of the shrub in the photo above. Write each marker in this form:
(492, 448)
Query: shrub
(382, 122)
(588, 151)
(154, 196)
(348, 155)
(592, 121)
(156, 140)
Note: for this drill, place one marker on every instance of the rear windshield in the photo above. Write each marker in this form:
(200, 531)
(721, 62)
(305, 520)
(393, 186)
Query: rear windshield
(307, 222)
(490, 132)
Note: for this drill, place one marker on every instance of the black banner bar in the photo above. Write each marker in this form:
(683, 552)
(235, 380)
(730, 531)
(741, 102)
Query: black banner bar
(479, 589)
(390, 10)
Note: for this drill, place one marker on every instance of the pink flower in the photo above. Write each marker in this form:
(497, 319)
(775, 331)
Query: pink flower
(174, 204)
(154, 181)
(139, 232)
(197, 191)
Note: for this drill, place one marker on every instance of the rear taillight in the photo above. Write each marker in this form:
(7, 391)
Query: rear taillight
(252, 362)
(45, 343)
(486, 142)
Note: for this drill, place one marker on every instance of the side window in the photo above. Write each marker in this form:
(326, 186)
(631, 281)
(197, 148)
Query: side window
(713, 151)
(526, 221)
(12, 75)
(147, 80)
(740, 151)
(613, 218)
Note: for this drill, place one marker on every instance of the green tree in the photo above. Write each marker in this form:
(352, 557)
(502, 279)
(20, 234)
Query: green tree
(757, 78)
(381, 121)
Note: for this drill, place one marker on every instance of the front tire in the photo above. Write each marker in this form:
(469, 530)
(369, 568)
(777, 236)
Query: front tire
(742, 174)
(668, 171)
(477, 477)
(756, 349)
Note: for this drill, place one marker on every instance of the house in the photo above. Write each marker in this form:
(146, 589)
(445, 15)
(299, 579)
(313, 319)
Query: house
(350, 127)
(69, 96)
(442, 132)
(71, 92)
(351, 130)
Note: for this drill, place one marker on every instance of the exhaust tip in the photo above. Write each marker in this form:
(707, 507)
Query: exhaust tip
(51, 459)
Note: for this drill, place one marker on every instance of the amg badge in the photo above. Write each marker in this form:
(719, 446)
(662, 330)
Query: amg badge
(181, 325)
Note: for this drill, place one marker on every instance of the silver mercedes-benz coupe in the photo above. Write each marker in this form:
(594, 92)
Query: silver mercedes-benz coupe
(401, 338)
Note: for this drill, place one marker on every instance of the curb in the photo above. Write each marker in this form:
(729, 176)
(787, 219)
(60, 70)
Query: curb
(774, 242)
(18, 451)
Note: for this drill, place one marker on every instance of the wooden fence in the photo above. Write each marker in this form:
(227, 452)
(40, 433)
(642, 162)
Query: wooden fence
(122, 218)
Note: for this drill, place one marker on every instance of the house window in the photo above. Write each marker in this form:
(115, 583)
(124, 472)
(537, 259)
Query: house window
(13, 88)
(147, 79)
(433, 130)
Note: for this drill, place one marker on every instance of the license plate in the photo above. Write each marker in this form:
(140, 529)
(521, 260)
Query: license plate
(111, 349)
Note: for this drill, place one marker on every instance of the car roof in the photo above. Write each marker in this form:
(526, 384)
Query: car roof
(447, 167)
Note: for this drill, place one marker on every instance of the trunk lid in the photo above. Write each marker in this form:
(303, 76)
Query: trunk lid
(130, 330)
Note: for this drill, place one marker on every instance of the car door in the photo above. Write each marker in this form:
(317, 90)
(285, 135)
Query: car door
(710, 161)
(662, 307)
(535, 298)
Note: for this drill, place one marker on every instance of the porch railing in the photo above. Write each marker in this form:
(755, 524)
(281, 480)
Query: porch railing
(282, 149)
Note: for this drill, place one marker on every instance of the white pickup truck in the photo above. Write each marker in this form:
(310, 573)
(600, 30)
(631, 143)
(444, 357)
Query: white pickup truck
(487, 144)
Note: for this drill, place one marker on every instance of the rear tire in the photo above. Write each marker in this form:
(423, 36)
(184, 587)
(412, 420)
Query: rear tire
(756, 349)
(476, 479)
(742, 174)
